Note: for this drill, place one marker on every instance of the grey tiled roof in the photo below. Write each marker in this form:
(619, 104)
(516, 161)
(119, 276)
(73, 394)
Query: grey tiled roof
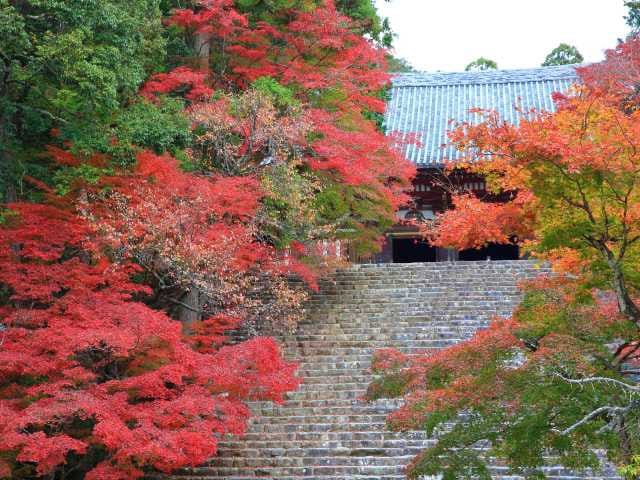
(424, 103)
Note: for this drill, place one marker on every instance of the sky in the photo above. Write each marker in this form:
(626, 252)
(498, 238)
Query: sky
(446, 35)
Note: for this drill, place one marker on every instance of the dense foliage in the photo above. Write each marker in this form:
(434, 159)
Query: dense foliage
(328, 80)
(166, 169)
(554, 380)
(71, 66)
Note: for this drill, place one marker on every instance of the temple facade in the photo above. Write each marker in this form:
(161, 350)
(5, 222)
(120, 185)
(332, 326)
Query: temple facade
(427, 106)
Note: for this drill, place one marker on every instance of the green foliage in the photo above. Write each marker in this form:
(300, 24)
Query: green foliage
(563, 54)
(480, 64)
(364, 12)
(399, 65)
(160, 127)
(632, 470)
(65, 178)
(281, 96)
(328, 99)
(377, 117)
(72, 66)
(601, 187)
(356, 213)
(287, 210)
(275, 11)
(7, 216)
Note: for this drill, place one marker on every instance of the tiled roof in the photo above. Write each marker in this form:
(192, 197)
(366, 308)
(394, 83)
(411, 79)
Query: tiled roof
(424, 103)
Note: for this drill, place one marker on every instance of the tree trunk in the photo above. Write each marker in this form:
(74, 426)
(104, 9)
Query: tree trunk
(189, 310)
(203, 49)
(7, 182)
(626, 305)
(625, 443)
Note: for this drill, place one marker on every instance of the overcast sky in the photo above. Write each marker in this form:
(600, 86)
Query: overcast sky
(448, 34)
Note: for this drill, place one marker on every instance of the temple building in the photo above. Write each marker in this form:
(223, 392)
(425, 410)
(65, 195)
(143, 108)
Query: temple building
(427, 105)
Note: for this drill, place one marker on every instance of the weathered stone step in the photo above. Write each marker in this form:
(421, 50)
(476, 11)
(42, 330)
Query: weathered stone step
(315, 471)
(422, 306)
(374, 420)
(266, 408)
(357, 331)
(275, 448)
(377, 340)
(438, 298)
(314, 378)
(341, 436)
(358, 348)
(414, 332)
(407, 319)
(318, 427)
(324, 395)
(315, 458)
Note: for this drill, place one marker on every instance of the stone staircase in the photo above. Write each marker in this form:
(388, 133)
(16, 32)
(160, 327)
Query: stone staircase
(324, 430)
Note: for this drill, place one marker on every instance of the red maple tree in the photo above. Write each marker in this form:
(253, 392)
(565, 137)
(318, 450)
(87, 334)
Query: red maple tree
(92, 378)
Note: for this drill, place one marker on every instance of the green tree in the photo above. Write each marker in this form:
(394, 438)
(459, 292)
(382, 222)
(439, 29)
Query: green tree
(399, 65)
(365, 14)
(633, 18)
(563, 54)
(480, 64)
(69, 67)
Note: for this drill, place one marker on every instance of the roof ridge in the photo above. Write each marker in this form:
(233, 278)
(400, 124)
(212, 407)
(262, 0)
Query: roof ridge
(493, 70)
(485, 76)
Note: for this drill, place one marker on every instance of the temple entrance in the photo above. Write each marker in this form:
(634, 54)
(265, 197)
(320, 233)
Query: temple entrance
(411, 250)
(417, 250)
(493, 251)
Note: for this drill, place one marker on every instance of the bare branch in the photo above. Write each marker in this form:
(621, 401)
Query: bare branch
(589, 380)
(587, 418)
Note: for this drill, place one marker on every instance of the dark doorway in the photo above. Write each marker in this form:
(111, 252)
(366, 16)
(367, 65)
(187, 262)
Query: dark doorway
(410, 250)
(494, 251)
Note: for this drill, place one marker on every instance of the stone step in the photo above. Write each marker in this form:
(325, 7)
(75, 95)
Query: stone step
(311, 417)
(275, 447)
(316, 458)
(318, 427)
(424, 307)
(314, 471)
(342, 350)
(382, 321)
(354, 331)
(315, 378)
(228, 457)
(356, 404)
(320, 437)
